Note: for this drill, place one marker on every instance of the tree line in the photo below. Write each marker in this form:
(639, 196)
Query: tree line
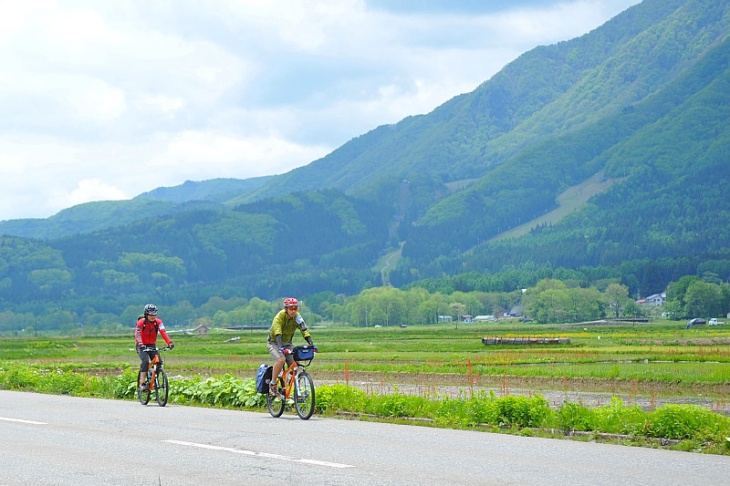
(549, 301)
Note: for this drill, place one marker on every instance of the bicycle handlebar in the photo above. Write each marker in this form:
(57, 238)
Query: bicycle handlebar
(149, 348)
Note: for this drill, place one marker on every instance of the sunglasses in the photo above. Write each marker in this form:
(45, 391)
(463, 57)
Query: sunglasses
(294, 308)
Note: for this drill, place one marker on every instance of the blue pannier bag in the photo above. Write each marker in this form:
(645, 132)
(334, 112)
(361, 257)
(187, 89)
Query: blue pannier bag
(263, 378)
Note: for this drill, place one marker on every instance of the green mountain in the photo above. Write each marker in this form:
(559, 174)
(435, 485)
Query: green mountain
(630, 121)
(99, 215)
(612, 102)
(217, 190)
(87, 217)
(547, 92)
(667, 152)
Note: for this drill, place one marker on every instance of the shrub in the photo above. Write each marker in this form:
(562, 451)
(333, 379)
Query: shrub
(521, 411)
(227, 390)
(619, 418)
(686, 422)
(574, 416)
(399, 405)
(122, 386)
(18, 377)
(60, 383)
(466, 413)
(339, 397)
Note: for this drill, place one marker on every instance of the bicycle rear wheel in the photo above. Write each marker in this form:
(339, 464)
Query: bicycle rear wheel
(161, 387)
(144, 395)
(304, 395)
(275, 403)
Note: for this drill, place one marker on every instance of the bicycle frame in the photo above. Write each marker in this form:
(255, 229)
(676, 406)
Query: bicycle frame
(292, 371)
(152, 372)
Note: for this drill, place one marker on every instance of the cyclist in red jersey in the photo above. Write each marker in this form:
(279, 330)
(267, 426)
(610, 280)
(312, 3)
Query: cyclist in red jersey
(145, 334)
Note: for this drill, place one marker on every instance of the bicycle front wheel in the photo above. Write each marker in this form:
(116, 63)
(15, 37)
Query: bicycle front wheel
(304, 395)
(161, 388)
(275, 403)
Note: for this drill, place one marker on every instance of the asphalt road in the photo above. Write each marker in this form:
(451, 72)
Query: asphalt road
(60, 440)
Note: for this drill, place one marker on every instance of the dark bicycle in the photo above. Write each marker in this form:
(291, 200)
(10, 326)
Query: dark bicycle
(156, 379)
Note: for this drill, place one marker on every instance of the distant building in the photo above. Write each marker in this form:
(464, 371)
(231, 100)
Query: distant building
(201, 329)
(484, 318)
(655, 300)
(445, 318)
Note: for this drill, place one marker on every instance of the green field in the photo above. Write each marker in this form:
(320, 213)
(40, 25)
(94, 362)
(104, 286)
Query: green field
(661, 358)
(651, 385)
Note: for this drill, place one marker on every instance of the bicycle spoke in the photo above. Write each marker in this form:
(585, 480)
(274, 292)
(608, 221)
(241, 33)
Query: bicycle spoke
(275, 403)
(161, 388)
(144, 395)
(304, 395)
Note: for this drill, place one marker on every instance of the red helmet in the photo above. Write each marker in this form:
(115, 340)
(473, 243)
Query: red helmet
(291, 302)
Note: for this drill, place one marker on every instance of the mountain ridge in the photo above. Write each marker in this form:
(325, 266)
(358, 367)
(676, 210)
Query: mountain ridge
(645, 99)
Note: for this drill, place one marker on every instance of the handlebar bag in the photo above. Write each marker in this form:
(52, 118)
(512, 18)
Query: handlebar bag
(303, 354)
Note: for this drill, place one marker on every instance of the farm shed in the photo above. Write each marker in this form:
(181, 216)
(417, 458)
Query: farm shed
(487, 341)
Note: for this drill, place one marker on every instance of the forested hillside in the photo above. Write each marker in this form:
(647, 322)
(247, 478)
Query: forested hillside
(642, 102)
(669, 156)
(300, 243)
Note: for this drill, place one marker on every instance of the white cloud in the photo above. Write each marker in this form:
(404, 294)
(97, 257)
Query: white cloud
(88, 190)
(203, 155)
(95, 100)
(110, 99)
(167, 106)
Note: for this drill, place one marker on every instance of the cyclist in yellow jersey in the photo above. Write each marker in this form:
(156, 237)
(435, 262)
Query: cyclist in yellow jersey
(285, 324)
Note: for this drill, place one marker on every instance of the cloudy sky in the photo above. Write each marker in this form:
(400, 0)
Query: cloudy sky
(106, 100)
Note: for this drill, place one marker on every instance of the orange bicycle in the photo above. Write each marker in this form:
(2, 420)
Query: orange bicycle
(156, 378)
(294, 385)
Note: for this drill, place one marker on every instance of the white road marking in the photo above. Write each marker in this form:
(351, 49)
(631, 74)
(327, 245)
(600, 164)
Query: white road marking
(260, 454)
(33, 422)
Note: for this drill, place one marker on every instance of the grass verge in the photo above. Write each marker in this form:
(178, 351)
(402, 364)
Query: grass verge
(679, 427)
